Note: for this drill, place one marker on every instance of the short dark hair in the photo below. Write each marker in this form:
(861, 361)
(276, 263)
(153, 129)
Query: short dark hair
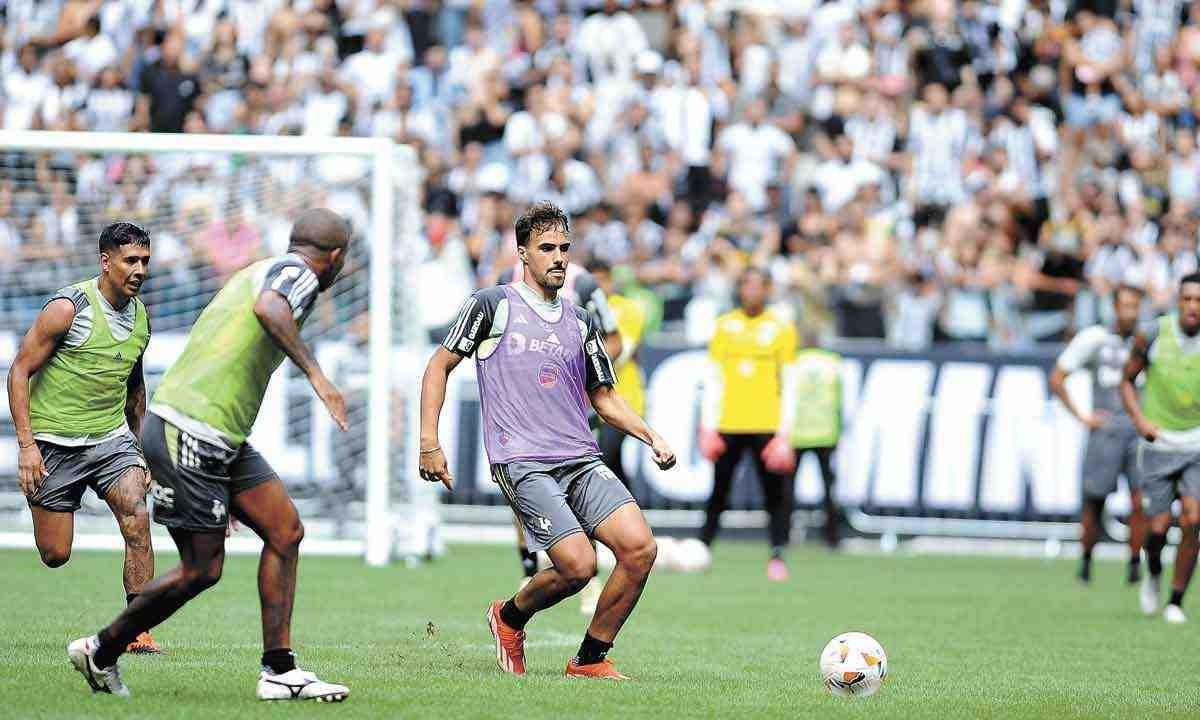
(121, 233)
(541, 217)
(1193, 277)
(598, 265)
(758, 270)
(1130, 288)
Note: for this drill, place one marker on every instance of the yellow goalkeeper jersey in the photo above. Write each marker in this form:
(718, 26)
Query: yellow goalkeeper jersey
(751, 353)
(631, 324)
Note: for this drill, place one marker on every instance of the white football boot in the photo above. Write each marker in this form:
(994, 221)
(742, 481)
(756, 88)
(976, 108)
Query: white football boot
(101, 680)
(1149, 597)
(297, 684)
(1174, 615)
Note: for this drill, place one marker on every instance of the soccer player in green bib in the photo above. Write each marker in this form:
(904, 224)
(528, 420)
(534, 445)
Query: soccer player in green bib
(76, 393)
(812, 418)
(1167, 417)
(205, 471)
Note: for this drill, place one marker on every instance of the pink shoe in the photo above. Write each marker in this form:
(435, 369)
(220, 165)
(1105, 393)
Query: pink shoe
(776, 570)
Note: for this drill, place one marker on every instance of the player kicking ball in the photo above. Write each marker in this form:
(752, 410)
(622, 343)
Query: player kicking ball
(1167, 417)
(540, 359)
(204, 470)
(1112, 438)
(77, 398)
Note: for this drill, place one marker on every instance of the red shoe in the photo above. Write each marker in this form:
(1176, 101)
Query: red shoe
(510, 643)
(776, 570)
(144, 645)
(603, 670)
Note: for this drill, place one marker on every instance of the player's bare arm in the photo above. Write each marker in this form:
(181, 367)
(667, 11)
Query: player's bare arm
(275, 315)
(613, 409)
(1058, 386)
(1139, 360)
(433, 396)
(48, 329)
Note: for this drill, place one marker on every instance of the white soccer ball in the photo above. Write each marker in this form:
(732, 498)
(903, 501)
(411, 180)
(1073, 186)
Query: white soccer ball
(668, 554)
(853, 663)
(693, 555)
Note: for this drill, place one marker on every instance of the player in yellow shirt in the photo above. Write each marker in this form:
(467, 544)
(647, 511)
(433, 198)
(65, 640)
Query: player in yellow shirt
(631, 324)
(750, 349)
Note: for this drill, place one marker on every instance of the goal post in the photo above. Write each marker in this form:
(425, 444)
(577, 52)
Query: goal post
(211, 199)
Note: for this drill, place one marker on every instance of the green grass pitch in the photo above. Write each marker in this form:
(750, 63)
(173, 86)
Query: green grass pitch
(966, 638)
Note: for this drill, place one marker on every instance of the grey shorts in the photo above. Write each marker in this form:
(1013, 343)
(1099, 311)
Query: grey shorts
(194, 480)
(1167, 474)
(75, 469)
(560, 498)
(1111, 452)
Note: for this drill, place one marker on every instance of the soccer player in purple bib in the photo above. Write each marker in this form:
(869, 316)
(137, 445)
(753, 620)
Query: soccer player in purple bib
(540, 359)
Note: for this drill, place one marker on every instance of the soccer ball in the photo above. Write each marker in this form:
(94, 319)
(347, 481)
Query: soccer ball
(853, 663)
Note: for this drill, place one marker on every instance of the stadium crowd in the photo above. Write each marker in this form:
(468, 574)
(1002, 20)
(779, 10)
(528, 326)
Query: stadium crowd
(917, 171)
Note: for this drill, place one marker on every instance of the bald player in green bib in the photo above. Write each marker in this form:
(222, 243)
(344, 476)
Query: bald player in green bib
(1167, 417)
(205, 471)
(77, 396)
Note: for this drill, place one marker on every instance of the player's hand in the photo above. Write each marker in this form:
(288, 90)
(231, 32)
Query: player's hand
(334, 402)
(31, 469)
(712, 445)
(1096, 420)
(778, 456)
(1146, 429)
(434, 469)
(664, 456)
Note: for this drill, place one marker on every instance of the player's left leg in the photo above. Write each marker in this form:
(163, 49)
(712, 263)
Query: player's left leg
(1089, 534)
(126, 497)
(1137, 514)
(1103, 461)
(1185, 556)
(625, 532)
(829, 479)
(260, 501)
(778, 496)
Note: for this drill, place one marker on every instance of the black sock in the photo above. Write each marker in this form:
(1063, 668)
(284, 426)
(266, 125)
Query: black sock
(279, 660)
(106, 655)
(1154, 547)
(592, 651)
(528, 562)
(1085, 567)
(776, 552)
(130, 597)
(1176, 598)
(1135, 559)
(513, 616)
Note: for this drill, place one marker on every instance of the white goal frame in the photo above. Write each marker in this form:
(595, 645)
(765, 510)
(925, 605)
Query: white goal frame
(394, 170)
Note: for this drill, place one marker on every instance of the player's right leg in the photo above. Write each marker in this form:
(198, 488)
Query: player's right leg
(1089, 534)
(1102, 465)
(1159, 471)
(529, 560)
(53, 533)
(778, 495)
(548, 524)
(54, 502)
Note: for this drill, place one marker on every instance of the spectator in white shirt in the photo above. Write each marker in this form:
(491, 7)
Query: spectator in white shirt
(92, 52)
(325, 107)
(372, 71)
(109, 107)
(611, 39)
(754, 151)
(25, 87)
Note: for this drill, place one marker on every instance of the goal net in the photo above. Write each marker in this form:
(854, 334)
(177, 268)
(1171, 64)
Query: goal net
(212, 205)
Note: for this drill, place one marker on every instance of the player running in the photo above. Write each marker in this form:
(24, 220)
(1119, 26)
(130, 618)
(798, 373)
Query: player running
(204, 470)
(77, 396)
(741, 411)
(540, 358)
(1167, 417)
(1112, 438)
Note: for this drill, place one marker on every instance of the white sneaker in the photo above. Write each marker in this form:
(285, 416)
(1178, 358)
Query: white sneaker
(105, 680)
(297, 684)
(1174, 615)
(1149, 595)
(589, 597)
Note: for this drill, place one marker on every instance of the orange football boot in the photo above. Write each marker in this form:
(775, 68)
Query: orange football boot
(510, 642)
(603, 670)
(144, 645)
